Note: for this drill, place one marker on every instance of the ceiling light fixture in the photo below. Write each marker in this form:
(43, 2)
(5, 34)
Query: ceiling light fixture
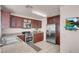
(39, 13)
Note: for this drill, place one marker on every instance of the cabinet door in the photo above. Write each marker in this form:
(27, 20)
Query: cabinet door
(57, 30)
(48, 21)
(51, 20)
(38, 37)
(13, 22)
(19, 22)
(16, 22)
(39, 24)
(5, 16)
(36, 24)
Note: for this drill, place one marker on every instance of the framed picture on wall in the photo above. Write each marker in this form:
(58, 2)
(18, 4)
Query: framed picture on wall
(72, 23)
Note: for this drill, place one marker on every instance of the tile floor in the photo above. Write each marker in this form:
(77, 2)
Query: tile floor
(24, 48)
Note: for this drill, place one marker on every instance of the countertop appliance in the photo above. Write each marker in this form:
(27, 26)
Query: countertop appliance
(28, 36)
(27, 24)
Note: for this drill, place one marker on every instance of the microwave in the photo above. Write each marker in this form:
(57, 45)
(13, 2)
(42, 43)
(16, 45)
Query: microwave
(27, 25)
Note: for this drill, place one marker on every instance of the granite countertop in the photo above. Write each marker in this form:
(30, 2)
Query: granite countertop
(19, 47)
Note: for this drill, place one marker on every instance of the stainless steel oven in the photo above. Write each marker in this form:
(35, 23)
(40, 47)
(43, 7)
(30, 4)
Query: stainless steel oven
(28, 37)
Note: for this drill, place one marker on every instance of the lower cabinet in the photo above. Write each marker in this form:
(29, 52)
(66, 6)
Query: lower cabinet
(38, 37)
(22, 37)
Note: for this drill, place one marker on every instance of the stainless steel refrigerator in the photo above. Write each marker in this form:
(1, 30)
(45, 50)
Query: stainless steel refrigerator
(51, 33)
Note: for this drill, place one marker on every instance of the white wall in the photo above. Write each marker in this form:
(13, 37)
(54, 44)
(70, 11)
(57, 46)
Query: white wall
(69, 39)
(44, 23)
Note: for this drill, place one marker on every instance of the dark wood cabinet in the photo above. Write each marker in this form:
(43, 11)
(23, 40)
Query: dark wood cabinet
(38, 37)
(12, 22)
(51, 20)
(33, 23)
(16, 22)
(22, 37)
(19, 22)
(55, 20)
(5, 19)
(36, 24)
(39, 24)
(57, 29)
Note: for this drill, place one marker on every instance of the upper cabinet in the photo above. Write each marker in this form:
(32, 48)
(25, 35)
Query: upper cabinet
(51, 20)
(39, 24)
(19, 22)
(16, 22)
(5, 19)
(36, 24)
(12, 22)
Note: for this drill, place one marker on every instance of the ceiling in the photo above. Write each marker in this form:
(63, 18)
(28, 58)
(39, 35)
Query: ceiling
(26, 10)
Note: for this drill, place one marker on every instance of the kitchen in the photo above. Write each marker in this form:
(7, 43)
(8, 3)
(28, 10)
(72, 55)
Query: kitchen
(27, 24)
(29, 30)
